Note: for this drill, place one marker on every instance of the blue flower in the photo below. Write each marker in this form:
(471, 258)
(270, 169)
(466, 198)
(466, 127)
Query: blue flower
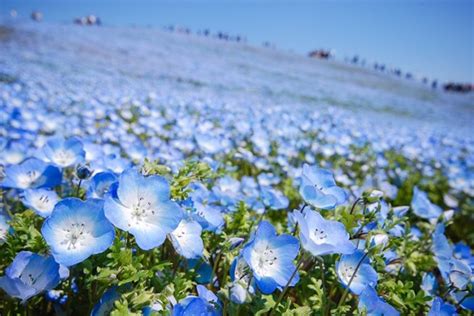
(209, 216)
(374, 305)
(442, 251)
(4, 227)
(76, 230)
(100, 184)
(42, 201)
(422, 206)
(106, 302)
(30, 274)
(31, 173)
(464, 299)
(322, 237)
(64, 152)
(186, 239)
(143, 208)
(429, 284)
(274, 199)
(459, 274)
(202, 269)
(206, 303)
(270, 257)
(319, 188)
(357, 267)
(440, 308)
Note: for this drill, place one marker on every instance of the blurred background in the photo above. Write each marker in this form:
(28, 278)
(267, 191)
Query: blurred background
(428, 40)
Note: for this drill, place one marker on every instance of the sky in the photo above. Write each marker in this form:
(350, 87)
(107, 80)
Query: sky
(433, 38)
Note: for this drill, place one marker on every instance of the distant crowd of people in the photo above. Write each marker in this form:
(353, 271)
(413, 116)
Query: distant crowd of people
(356, 60)
(206, 33)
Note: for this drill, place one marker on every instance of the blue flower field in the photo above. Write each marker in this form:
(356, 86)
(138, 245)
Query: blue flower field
(144, 172)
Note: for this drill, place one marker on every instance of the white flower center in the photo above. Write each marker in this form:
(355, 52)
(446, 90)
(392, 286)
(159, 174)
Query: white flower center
(28, 178)
(264, 259)
(28, 279)
(63, 157)
(76, 235)
(141, 210)
(319, 236)
(347, 272)
(43, 202)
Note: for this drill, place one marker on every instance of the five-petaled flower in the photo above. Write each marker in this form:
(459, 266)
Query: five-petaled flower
(270, 257)
(76, 230)
(143, 208)
(319, 188)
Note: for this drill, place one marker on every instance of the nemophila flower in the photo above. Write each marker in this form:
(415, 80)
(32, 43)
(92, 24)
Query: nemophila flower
(356, 267)
(143, 208)
(4, 227)
(30, 274)
(373, 305)
(100, 183)
(106, 302)
(422, 206)
(186, 239)
(442, 251)
(42, 201)
(76, 230)
(429, 284)
(270, 257)
(243, 284)
(202, 269)
(227, 191)
(206, 303)
(31, 173)
(322, 237)
(464, 298)
(319, 188)
(273, 199)
(64, 152)
(207, 215)
(459, 274)
(441, 308)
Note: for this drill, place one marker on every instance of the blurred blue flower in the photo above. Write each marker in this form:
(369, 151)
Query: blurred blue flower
(442, 251)
(64, 152)
(429, 284)
(373, 305)
(42, 201)
(322, 237)
(422, 206)
(99, 184)
(143, 208)
(440, 308)
(106, 302)
(30, 274)
(273, 199)
(186, 239)
(357, 267)
(270, 257)
(31, 173)
(206, 303)
(319, 188)
(460, 274)
(76, 230)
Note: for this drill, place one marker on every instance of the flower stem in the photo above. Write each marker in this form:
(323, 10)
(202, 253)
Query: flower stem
(354, 205)
(285, 289)
(323, 279)
(78, 188)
